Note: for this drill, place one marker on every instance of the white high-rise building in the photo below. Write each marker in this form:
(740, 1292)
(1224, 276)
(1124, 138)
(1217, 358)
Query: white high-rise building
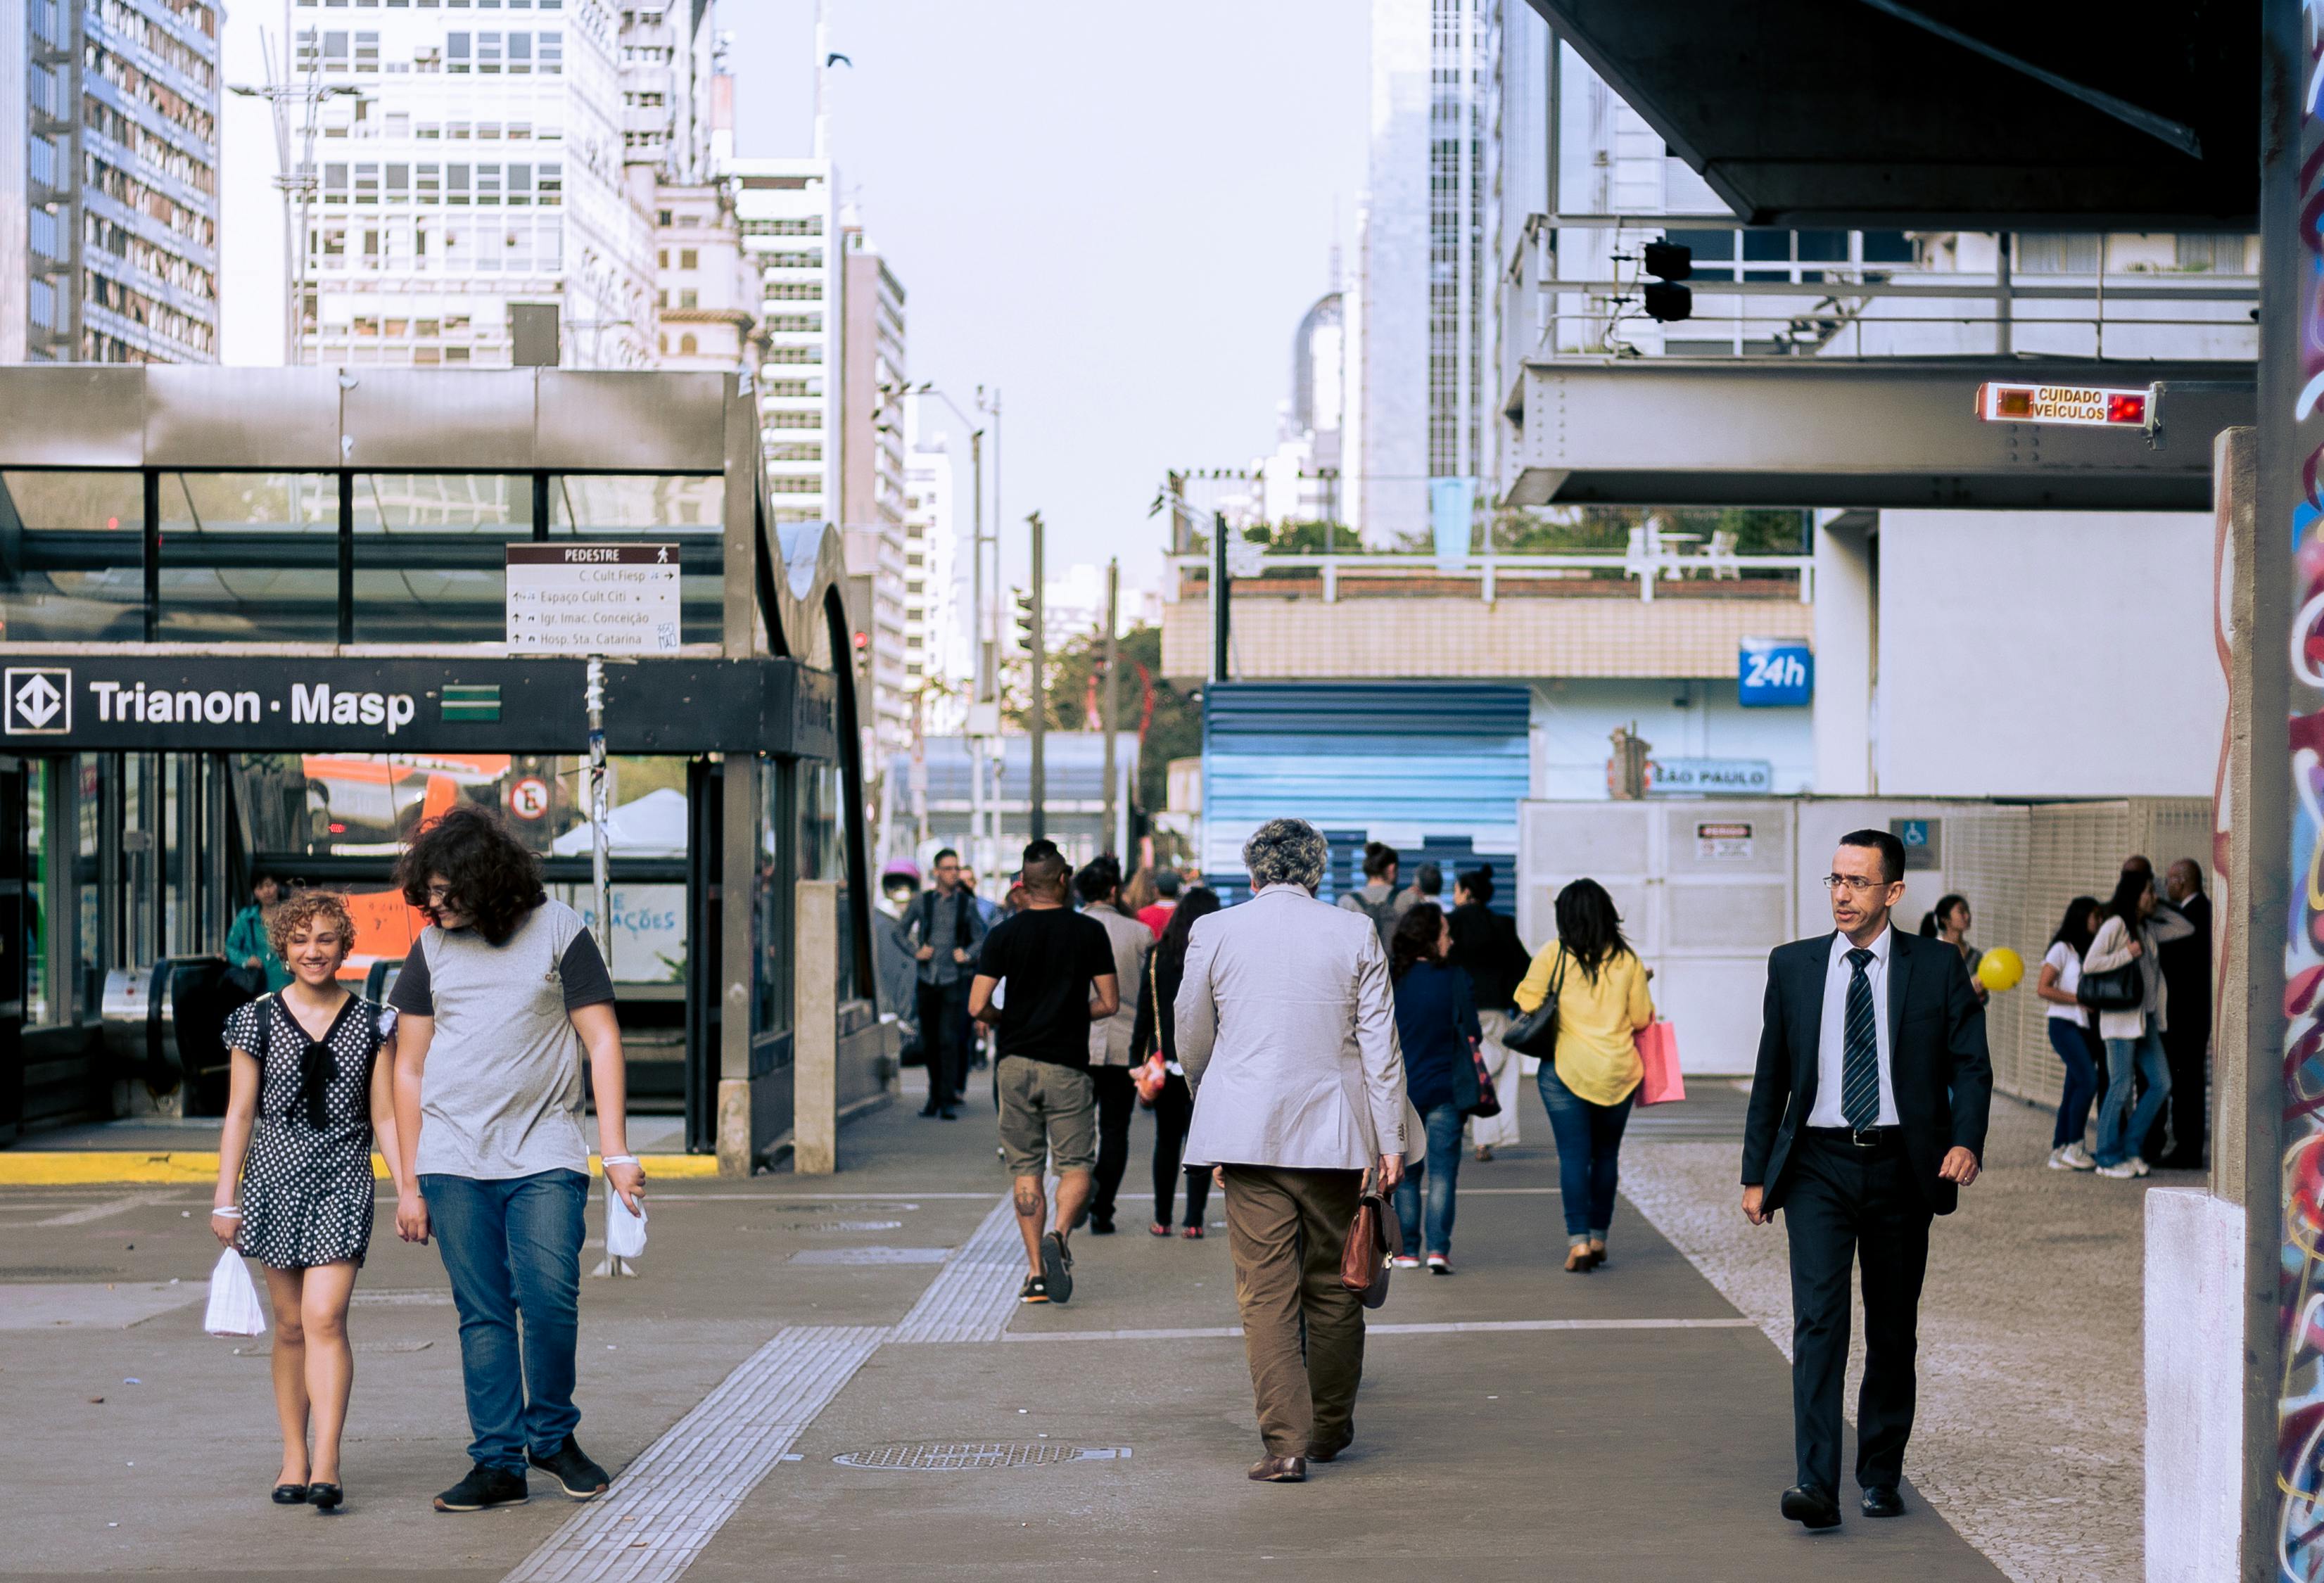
(1423, 359)
(790, 215)
(936, 664)
(467, 160)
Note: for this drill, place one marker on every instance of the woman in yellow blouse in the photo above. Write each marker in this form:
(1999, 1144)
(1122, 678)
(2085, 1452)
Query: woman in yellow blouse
(1588, 1087)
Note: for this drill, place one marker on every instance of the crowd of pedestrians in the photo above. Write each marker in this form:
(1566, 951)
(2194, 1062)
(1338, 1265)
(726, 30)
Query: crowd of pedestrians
(1308, 1059)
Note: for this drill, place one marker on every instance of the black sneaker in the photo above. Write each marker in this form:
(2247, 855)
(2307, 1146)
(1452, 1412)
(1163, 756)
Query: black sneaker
(482, 1489)
(1034, 1290)
(1057, 1264)
(575, 1473)
(1101, 1225)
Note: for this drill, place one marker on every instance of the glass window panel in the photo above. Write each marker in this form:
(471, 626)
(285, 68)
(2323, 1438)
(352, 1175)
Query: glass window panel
(249, 558)
(72, 557)
(88, 814)
(771, 888)
(822, 853)
(649, 508)
(39, 900)
(428, 555)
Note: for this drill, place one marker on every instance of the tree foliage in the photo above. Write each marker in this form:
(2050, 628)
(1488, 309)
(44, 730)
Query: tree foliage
(1175, 731)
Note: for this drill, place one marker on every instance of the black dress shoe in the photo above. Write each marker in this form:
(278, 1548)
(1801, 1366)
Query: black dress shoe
(1882, 1502)
(1101, 1225)
(290, 1495)
(1810, 1507)
(325, 1498)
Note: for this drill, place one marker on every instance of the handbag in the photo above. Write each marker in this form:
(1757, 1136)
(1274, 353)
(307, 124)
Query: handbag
(1149, 1075)
(1658, 1054)
(1363, 1262)
(1489, 1099)
(2118, 988)
(1535, 1033)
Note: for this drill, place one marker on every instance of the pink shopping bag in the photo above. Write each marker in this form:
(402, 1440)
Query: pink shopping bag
(1658, 1052)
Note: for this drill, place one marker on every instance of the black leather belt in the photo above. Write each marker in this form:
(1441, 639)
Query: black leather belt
(1861, 1137)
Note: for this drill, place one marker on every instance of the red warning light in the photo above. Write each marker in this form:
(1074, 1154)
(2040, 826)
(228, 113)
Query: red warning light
(112, 522)
(2127, 407)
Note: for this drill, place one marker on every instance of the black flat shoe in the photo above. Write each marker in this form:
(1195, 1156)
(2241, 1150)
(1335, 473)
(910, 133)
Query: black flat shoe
(290, 1495)
(325, 1498)
(1810, 1507)
(1883, 1503)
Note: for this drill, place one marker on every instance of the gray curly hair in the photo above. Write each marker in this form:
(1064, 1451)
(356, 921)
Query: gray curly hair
(1286, 851)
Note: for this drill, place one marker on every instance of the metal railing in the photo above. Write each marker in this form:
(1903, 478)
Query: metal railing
(1852, 307)
(1491, 571)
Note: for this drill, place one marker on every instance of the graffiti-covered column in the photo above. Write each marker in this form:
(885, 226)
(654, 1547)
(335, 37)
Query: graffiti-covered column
(2282, 997)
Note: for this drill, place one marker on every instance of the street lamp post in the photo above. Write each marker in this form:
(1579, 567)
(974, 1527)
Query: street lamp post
(295, 182)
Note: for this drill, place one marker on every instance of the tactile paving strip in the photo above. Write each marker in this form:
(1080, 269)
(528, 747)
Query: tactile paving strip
(668, 1505)
(973, 1297)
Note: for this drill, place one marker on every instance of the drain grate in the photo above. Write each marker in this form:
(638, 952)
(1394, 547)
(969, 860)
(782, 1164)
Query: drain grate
(829, 1226)
(870, 1256)
(975, 1456)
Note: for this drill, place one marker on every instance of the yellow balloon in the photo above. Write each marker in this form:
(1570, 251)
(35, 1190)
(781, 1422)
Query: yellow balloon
(2000, 968)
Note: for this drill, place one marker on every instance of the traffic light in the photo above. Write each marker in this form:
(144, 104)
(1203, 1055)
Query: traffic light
(1669, 263)
(1023, 601)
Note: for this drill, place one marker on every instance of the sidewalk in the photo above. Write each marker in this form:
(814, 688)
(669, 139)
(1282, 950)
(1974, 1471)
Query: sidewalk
(1517, 1421)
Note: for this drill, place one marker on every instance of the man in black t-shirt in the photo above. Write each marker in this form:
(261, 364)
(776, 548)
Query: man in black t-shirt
(1058, 967)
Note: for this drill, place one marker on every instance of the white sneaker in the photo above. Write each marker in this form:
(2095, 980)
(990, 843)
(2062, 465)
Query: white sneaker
(2058, 1160)
(1404, 1261)
(2124, 1172)
(2080, 1157)
(2139, 1167)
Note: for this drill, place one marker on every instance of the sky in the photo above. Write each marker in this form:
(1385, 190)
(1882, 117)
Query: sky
(1115, 214)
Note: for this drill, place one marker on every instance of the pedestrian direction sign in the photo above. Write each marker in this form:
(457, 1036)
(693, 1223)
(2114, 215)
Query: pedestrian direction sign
(593, 598)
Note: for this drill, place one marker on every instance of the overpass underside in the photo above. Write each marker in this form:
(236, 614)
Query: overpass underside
(1872, 433)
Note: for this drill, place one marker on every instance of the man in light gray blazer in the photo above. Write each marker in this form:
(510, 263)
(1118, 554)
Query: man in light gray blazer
(1286, 1029)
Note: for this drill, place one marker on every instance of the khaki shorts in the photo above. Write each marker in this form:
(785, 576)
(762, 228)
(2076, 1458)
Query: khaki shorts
(1048, 1113)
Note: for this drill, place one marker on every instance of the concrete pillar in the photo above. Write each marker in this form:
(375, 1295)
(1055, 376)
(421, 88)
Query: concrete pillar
(2235, 479)
(814, 1028)
(738, 1140)
(1846, 617)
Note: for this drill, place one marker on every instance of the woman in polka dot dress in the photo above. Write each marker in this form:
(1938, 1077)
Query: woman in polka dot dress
(312, 1073)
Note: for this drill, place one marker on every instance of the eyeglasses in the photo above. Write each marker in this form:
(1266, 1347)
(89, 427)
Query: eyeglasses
(438, 894)
(1856, 884)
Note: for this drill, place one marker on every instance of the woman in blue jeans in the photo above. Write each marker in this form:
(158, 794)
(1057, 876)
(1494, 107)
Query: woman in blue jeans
(1436, 1023)
(1587, 1086)
(2069, 1022)
(2133, 1037)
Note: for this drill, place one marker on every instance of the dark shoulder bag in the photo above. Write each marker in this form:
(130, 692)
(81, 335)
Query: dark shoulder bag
(1535, 1031)
(2121, 989)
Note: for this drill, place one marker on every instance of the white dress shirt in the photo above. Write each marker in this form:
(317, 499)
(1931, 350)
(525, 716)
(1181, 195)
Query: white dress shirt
(1831, 1038)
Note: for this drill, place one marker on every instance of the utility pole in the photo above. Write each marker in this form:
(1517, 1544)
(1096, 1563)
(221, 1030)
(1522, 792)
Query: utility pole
(297, 182)
(1112, 662)
(1037, 639)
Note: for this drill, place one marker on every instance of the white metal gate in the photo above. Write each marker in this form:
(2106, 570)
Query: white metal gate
(1705, 890)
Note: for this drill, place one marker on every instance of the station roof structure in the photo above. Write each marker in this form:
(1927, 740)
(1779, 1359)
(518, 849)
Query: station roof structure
(1945, 113)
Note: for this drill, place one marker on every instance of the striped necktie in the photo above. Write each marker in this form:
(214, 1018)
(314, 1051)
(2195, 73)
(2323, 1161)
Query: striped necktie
(1859, 1071)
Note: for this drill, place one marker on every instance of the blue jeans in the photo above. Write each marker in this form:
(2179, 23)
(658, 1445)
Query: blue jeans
(1442, 1170)
(2116, 1141)
(1589, 1149)
(2071, 1043)
(513, 1247)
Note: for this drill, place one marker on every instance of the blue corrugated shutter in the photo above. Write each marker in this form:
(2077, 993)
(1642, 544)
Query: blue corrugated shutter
(1448, 761)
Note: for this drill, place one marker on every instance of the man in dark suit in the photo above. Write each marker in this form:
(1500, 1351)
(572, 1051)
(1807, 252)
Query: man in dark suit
(1868, 1117)
(2186, 964)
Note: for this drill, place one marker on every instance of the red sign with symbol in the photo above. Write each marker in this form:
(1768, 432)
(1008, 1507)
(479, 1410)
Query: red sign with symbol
(527, 798)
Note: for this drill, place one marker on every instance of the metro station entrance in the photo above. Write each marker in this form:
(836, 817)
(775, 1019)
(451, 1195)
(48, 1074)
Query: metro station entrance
(258, 624)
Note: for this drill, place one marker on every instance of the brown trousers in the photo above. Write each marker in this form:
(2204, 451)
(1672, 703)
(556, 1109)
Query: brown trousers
(1286, 1229)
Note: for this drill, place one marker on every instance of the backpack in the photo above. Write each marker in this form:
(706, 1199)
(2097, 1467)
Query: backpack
(1382, 913)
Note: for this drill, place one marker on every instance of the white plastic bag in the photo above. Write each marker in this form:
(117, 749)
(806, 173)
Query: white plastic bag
(625, 1232)
(235, 1309)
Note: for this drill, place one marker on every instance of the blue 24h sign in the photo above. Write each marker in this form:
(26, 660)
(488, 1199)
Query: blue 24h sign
(1775, 672)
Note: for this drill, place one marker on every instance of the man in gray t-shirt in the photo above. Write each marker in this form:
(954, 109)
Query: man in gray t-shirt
(500, 998)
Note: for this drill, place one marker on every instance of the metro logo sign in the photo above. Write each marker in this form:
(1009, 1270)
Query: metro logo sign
(36, 701)
(2085, 406)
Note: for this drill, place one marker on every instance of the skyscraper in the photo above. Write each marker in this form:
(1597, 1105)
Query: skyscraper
(872, 484)
(935, 636)
(108, 181)
(1426, 271)
(789, 219)
(468, 160)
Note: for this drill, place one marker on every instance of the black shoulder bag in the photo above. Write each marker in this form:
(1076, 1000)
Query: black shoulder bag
(1535, 1031)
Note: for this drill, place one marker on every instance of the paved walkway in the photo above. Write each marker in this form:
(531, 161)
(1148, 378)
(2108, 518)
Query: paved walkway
(1517, 1421)
(2032, 1419)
